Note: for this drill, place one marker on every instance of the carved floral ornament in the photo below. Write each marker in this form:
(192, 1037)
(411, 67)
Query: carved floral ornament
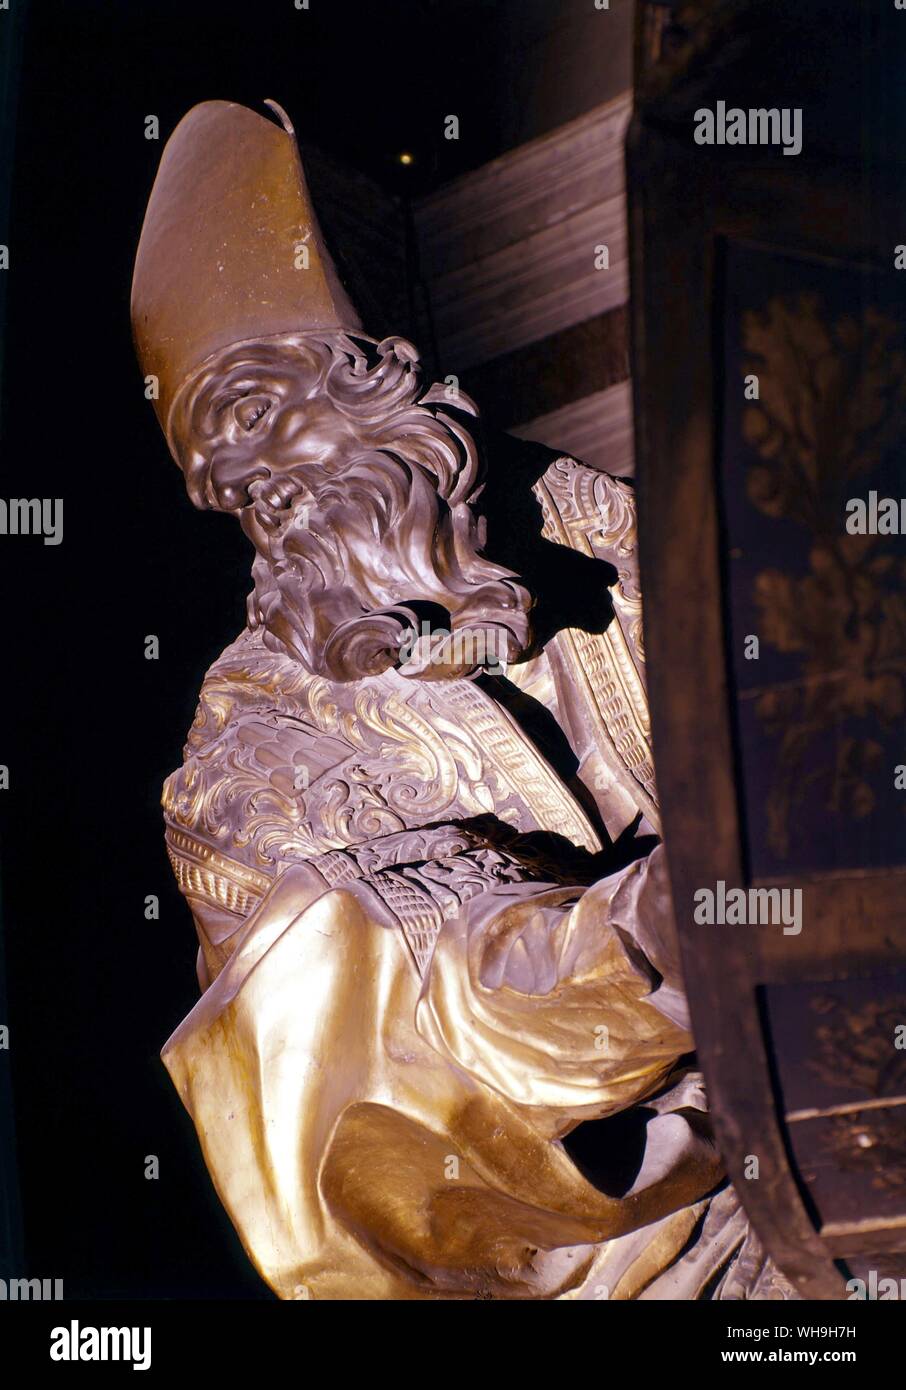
(832, 404)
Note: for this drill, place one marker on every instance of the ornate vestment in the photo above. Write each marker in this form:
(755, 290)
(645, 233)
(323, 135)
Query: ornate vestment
(423, 966)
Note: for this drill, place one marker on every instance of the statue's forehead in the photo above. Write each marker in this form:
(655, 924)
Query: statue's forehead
(281, 373)
(256, 360)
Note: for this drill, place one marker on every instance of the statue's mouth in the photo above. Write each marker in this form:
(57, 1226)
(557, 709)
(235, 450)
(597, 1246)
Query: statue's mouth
(279, 503)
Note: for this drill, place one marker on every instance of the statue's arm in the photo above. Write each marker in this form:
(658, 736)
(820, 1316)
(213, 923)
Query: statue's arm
(564, 998)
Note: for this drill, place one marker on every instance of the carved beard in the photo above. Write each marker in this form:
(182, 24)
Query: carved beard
(371, 559)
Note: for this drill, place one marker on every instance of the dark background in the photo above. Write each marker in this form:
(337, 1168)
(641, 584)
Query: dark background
(89, 727)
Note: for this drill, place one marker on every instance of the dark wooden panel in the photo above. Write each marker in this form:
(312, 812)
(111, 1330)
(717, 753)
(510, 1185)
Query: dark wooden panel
(819, 711)
(829, 207)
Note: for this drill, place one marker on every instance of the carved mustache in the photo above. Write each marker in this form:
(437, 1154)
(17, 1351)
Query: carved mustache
(278, 503)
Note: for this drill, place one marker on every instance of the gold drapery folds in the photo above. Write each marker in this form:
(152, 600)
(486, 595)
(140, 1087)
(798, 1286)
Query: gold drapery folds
(375, 1136)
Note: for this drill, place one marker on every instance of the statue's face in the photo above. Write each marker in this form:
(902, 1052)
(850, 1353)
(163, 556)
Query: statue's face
(261, 427)
(355, 494)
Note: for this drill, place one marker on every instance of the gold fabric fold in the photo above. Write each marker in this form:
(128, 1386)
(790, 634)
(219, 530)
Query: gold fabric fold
(540, 997)
(359, 1160)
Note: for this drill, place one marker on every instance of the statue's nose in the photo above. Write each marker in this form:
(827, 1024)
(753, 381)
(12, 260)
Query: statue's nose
(231, 477)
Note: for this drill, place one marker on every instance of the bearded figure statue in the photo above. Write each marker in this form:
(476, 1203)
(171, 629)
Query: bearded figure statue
(442, 1049)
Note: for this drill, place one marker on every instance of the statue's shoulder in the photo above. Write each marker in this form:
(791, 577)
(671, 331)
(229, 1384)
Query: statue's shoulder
(260, 710)
(245, 677)
(236, 807)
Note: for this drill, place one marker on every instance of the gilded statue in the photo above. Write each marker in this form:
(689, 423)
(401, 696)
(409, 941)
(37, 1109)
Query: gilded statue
(416, 821)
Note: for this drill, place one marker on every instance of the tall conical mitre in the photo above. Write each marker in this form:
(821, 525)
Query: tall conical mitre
(219, 258)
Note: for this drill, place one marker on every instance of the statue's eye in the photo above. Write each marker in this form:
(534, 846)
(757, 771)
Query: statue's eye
(250, 410)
